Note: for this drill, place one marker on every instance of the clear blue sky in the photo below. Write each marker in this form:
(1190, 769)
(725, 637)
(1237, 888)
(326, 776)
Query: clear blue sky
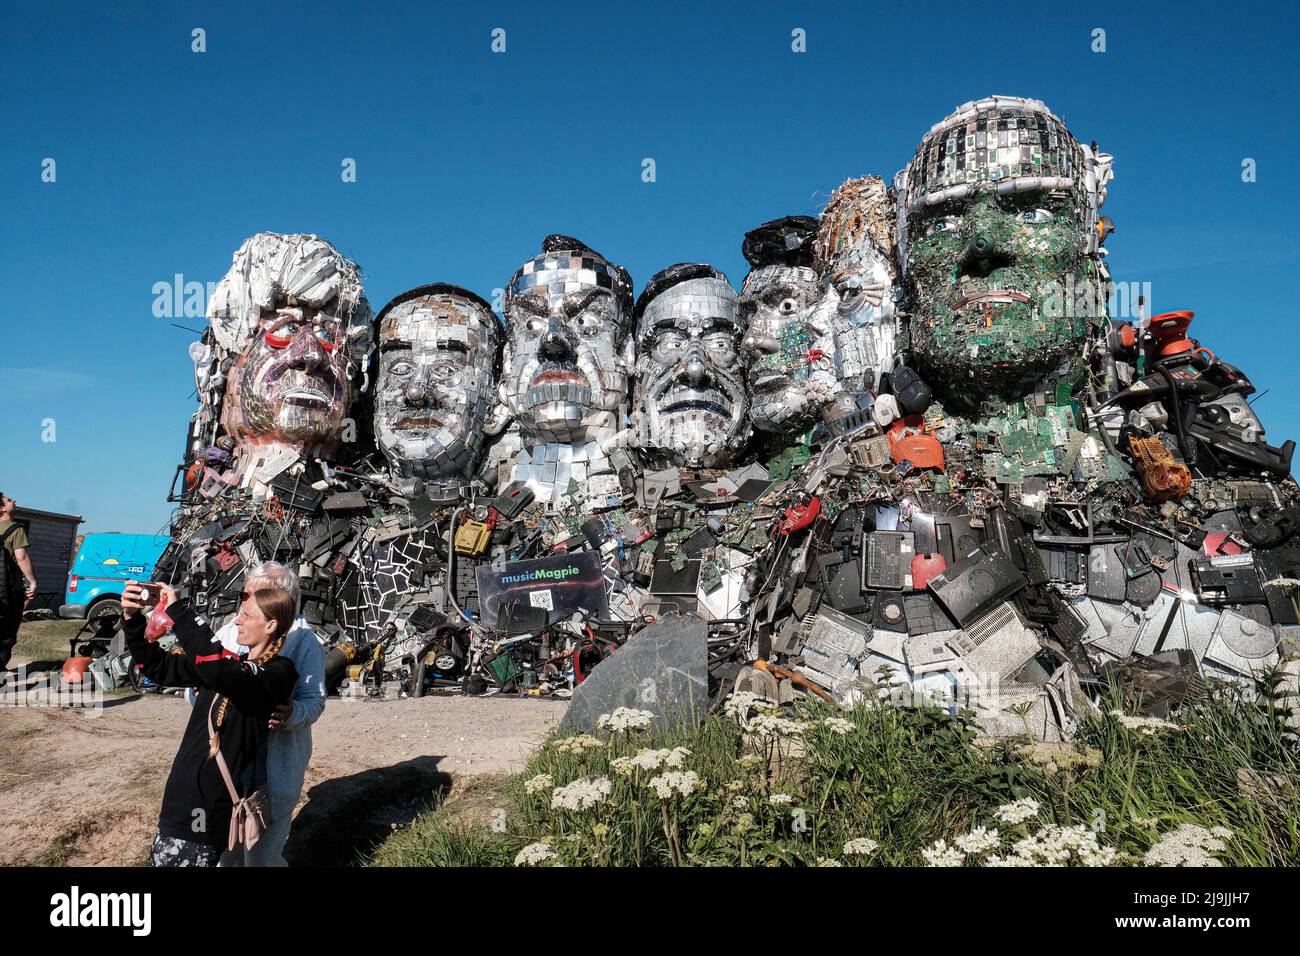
(167, 160)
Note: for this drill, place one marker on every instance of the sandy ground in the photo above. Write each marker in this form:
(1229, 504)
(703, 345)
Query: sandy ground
(85, 790)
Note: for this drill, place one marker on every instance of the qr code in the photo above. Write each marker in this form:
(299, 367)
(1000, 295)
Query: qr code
(541, 599)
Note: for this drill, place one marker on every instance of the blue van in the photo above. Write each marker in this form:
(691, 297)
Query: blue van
(104, 563)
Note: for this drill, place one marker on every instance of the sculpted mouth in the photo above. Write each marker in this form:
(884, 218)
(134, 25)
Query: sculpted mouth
(305, 396)
(565, 385)
(991, 296)
(552, 376)
(417, 423)
(686, 400)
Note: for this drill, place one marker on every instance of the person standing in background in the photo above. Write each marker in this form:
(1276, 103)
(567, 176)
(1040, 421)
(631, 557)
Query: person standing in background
(17, 579)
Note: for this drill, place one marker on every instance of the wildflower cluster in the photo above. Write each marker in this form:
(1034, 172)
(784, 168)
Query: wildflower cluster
(862, 846)
(578, 744)
(534, 853)
(1146, 726)
(652, 760)
(1018, 811)
(1057, 846)
(543, 781)
(941, 854)
(625, 719)
(838, 725)
(676, 783)
(1189, 845)
(581, 794)
(770, 725)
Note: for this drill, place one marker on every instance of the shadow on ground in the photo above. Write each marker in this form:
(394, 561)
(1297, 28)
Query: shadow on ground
(345, 818)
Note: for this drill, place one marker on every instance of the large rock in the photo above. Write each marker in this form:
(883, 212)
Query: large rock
(663, 669)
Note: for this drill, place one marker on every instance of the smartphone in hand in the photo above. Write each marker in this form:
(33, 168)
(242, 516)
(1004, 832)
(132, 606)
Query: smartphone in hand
(152, 594)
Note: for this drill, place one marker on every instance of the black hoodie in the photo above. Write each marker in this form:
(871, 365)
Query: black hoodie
(196, 804)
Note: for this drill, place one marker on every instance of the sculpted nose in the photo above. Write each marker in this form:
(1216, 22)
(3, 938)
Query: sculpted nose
(694, 371)
(555, 345)
(417, 388)
(981, 246)
(306, 353)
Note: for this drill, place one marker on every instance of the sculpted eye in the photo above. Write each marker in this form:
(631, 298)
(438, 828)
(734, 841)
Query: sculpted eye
(1035, 216)
(669, 342)
(535, 326)
(401, 368)
(946, 224)
(788, 306)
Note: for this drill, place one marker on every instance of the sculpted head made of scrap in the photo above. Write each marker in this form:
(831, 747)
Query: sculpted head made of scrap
(997, 217)
(292, 318)
(690, 388)
(791, 374)
(438, 356)
(854, 259)
(567, 355)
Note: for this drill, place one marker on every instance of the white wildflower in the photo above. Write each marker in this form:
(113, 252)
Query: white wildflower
(827, 861)
(780, 799)
(625, 719)
(740, 803)
(862, 846)
(941, 854)
(581, 794)
(750, 761)
(676, 782)
(838, 725)
(770, 725)
(1057, 846)
(539, 783)
(650, 759)
(577, 744)
(1189, 845)
(1017, 811)
(979, 840)
(534, 854)
(623, 766)
(739, 704)
(1146, 726)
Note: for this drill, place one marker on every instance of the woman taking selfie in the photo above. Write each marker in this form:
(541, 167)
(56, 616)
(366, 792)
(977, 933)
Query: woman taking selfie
(228, 725)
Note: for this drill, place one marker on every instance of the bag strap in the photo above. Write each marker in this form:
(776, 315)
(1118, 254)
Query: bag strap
(8, 531)
(221, 760)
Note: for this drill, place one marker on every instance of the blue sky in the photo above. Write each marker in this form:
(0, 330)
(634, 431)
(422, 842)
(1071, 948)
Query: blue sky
(168, 159)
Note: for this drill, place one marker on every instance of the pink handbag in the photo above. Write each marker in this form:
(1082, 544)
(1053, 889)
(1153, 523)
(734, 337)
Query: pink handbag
(251, 815)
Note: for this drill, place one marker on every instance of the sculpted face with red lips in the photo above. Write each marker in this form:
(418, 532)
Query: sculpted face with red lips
(290, 385)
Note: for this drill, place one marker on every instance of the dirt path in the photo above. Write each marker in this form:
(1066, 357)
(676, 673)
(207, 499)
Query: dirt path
(85, 790)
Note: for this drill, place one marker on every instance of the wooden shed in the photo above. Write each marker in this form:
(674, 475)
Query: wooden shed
(53, 545)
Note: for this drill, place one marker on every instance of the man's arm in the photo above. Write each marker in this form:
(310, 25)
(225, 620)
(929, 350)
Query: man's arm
(25, 563)
(309, 691)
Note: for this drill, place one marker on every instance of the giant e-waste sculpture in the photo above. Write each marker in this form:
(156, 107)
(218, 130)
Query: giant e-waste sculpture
(913, 456)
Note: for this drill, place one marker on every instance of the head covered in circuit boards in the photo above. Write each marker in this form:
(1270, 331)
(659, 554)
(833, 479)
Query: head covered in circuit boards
(292, 321)
(997, 218)
(854, 259)
(690, 387)
(568, 352)
(438, 355)
(791, 374)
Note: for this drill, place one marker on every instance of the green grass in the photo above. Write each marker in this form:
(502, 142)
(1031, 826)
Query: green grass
(45, 640)
(903, 778)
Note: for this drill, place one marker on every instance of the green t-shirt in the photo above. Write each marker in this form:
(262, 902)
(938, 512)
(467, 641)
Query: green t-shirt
(16, 540)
